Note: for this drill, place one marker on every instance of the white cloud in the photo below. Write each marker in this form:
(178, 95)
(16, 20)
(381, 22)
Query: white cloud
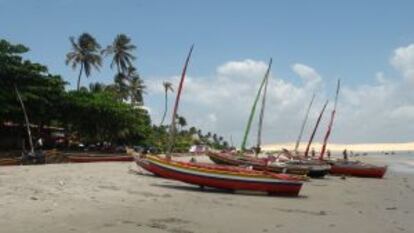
(405, 111)
(403, 61)
(220, 103)
(247, 69)
(307, 73)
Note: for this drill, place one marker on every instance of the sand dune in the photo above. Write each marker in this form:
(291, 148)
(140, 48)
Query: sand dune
(363, 147)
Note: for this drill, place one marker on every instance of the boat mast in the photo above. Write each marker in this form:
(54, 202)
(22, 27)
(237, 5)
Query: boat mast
(249, 122)
(328, 132)
(177, 100)
(303, 124)
(26, 118)
(259, 132)
(315, 129)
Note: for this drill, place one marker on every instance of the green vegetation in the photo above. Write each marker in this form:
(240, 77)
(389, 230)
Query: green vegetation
(103, 112)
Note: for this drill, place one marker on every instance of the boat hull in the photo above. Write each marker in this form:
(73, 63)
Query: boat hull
(91, 159)
(257, 164)
(317, 168)
(358, 169)
(221, 178)
(9, 162)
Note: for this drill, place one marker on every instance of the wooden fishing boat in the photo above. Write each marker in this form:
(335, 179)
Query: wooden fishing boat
(99, 158)
(317, 169)
(9, 162)
(257, 163)
(223, 177)
(356, 168)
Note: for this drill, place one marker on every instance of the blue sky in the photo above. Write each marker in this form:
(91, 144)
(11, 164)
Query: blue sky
(352, 40)
(349, 39)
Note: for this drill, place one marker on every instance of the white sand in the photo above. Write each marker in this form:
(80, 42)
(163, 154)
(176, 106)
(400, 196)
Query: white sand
(107, 197)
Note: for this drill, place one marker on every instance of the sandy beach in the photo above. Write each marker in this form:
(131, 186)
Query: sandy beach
(113, 197)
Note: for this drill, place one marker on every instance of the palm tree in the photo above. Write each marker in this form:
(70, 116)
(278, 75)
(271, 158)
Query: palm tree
(121, 49)
(136, 87)
(182, 122)
(121, 87)
(85, 51)
(97, 87)
(167, 86)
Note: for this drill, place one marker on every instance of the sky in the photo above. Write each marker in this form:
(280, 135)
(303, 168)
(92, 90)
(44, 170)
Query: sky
(369, 45)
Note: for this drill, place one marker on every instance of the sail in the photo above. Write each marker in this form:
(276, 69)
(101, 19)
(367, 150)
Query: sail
(259, 132)
(252, 112)
(177, 100)
(302, 128)
(328, 132)
(315, 129)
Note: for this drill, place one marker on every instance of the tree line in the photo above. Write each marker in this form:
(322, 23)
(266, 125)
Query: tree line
(101, 112)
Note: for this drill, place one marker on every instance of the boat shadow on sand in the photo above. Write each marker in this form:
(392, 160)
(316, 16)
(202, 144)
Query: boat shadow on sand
(223, 191)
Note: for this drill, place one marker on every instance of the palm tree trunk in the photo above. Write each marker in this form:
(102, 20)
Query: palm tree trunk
(26, 118)
(80, 75)
(165, 107)
(117, 68)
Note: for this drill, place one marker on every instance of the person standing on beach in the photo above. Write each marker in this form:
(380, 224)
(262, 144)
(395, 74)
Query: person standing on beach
(313, 152)
(345, 155)
(328, 153)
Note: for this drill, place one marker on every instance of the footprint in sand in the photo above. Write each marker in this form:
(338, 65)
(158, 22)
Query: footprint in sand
(109, 187)
(319, 213)
(109, 225)
(127, 222)
(157, 225)
(163, 224)
(172, 220)
(401, 229)
(179, 230)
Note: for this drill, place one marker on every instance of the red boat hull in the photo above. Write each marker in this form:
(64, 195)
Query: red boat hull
(9, 162)
(91, 159)
(358, 170)
(220, 180)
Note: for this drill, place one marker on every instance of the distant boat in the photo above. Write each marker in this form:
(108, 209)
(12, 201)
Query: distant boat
(99, 158)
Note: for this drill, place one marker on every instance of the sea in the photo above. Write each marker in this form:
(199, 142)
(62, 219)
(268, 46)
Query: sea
(398, 162)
